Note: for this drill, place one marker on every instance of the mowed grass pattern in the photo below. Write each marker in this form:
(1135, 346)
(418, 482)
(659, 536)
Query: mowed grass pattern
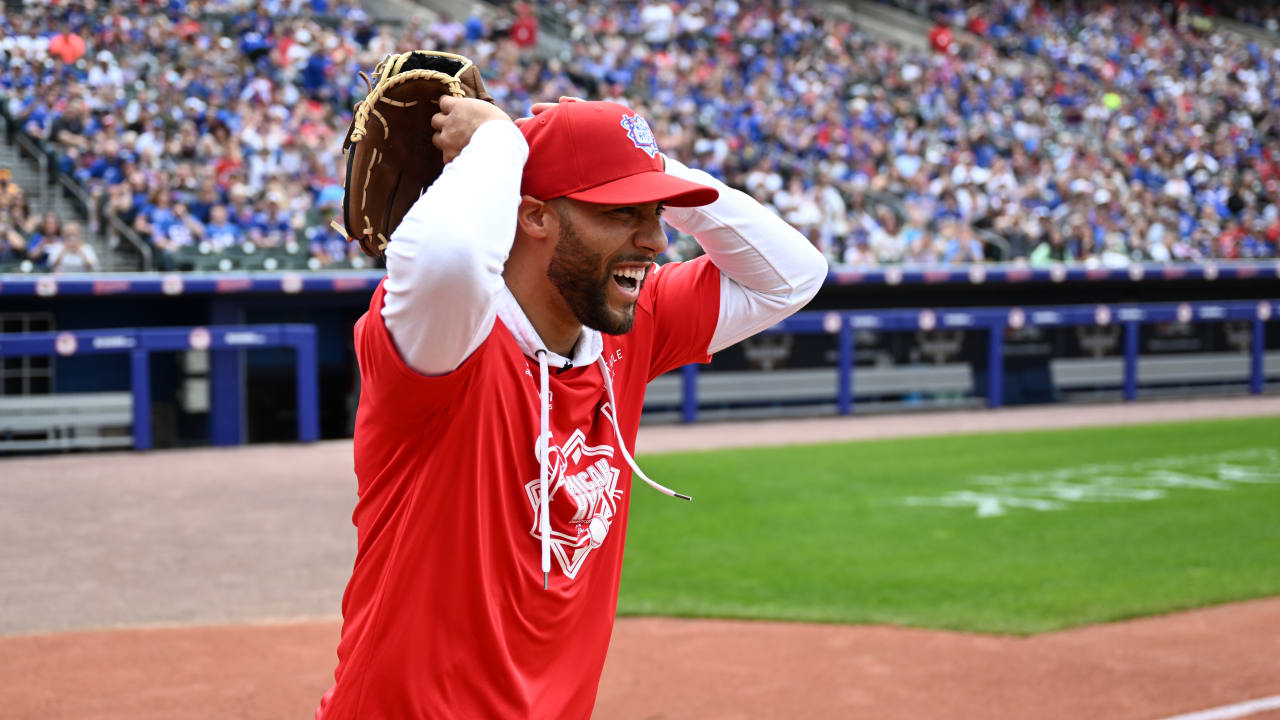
(822, 533)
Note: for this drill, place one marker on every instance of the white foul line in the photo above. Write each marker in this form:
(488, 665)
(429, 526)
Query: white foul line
(1232, 711)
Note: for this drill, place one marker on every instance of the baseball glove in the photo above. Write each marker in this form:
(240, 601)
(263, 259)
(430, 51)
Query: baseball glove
(390, 158)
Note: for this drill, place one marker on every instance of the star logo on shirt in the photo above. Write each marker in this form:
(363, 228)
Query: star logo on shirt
(583, 498)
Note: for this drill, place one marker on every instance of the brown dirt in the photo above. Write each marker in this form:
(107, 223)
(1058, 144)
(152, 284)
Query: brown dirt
(129, 541)
(694, 669)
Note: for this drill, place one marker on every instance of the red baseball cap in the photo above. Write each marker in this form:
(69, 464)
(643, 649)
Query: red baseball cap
(602, 153)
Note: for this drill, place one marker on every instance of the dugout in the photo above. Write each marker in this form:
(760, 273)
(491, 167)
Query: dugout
(263, 409)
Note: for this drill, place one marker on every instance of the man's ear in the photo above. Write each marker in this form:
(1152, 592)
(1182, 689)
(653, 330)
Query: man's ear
(537, 218)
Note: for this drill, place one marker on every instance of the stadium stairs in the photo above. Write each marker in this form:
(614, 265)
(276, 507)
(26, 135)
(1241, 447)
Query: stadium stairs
(44, 197)
(400, 11)
(1262, 36)
(885, 22)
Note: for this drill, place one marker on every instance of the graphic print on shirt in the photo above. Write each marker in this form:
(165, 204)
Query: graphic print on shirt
(582, 497)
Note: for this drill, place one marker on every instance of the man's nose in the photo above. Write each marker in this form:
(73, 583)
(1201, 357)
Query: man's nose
(652, 238)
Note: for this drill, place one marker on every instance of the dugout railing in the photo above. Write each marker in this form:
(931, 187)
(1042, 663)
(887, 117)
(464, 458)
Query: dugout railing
(139, 343)
(841, 382)
(993, 322)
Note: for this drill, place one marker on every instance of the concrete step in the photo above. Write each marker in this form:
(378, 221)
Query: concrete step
(1265, 38)
(892, 15)
(899, 28)
(405, 10)
(912, 30)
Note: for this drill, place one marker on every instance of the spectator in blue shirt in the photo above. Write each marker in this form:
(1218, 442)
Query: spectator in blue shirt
(221, 233)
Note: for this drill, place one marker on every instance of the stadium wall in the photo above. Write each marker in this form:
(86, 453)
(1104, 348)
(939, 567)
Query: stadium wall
(332, 302)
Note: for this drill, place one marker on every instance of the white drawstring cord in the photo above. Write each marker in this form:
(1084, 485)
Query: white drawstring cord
(544, 435)
(544, 439)
(622, 445)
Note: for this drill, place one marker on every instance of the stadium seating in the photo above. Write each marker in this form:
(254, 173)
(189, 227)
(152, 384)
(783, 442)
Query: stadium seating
(1039, 133)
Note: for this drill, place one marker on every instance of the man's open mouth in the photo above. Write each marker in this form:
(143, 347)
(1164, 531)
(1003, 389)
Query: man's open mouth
(629, 279)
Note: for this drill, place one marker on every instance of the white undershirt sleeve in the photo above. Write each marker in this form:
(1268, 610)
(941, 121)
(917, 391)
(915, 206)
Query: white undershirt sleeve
(445, 259)
(768, 269)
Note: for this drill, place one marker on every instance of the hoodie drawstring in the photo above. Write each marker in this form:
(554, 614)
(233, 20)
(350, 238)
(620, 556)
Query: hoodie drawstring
(622, 445)
(544, 438)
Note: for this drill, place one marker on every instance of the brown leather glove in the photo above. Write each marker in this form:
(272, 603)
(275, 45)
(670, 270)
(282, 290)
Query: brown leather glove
(391, 160)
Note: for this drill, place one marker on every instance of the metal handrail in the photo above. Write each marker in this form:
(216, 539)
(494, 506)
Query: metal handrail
(119, 226)
(994, 239)
(29, 146)
(78, 193)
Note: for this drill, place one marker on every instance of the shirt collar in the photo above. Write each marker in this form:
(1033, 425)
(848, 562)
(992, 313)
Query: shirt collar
(590, 343)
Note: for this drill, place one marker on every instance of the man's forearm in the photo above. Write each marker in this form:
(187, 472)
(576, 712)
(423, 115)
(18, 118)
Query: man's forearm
(445, 260)
(769, 269)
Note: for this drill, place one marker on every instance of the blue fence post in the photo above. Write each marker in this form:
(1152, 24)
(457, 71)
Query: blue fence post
(995, 364)
(1131, 360)
(1257, 352)
(226, 381)
(844, 366)
(304, 342)
(140, 372)
(689, 393)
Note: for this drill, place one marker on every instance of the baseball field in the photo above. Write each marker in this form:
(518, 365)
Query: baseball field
(1047, 572)
(1010, 533)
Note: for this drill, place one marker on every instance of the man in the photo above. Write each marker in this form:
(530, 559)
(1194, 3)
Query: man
(504, 361)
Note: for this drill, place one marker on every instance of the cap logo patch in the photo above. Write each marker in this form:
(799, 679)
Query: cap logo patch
(639, 133)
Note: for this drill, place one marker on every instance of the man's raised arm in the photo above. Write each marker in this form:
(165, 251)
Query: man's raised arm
(768, 269)
(445, 260)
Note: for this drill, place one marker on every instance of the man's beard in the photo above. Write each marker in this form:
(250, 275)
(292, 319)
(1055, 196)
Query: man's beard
(576, 272)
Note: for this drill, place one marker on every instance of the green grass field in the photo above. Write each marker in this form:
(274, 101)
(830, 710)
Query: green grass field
(945, 532)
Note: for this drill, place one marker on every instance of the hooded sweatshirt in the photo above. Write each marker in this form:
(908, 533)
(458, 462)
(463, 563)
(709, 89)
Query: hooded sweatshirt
(465, 417)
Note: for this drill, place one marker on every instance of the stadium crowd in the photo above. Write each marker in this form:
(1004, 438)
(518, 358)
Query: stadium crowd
(35, 238)
(1100, 133)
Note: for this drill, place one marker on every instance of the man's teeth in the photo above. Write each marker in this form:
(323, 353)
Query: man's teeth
(636, 274)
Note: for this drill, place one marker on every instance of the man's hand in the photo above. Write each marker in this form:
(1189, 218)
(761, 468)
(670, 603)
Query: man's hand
(457, 122)
(543, 107)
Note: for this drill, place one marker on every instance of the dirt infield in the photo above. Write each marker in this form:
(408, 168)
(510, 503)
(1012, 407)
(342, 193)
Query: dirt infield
(704, 670)
(145, 586)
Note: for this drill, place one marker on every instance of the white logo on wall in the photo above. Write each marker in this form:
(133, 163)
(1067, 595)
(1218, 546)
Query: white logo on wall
(1017, 318)
(171, 284)
(585, 477)
(1185, 313)
(199, 338)
(65, 344)
(291, 283)
(1102, 315)
(1141, 481)
(640, 134)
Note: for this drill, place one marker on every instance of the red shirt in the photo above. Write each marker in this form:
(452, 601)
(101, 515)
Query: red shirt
(68, 47)
(940, 38)
(524, 31)
(445, 615)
